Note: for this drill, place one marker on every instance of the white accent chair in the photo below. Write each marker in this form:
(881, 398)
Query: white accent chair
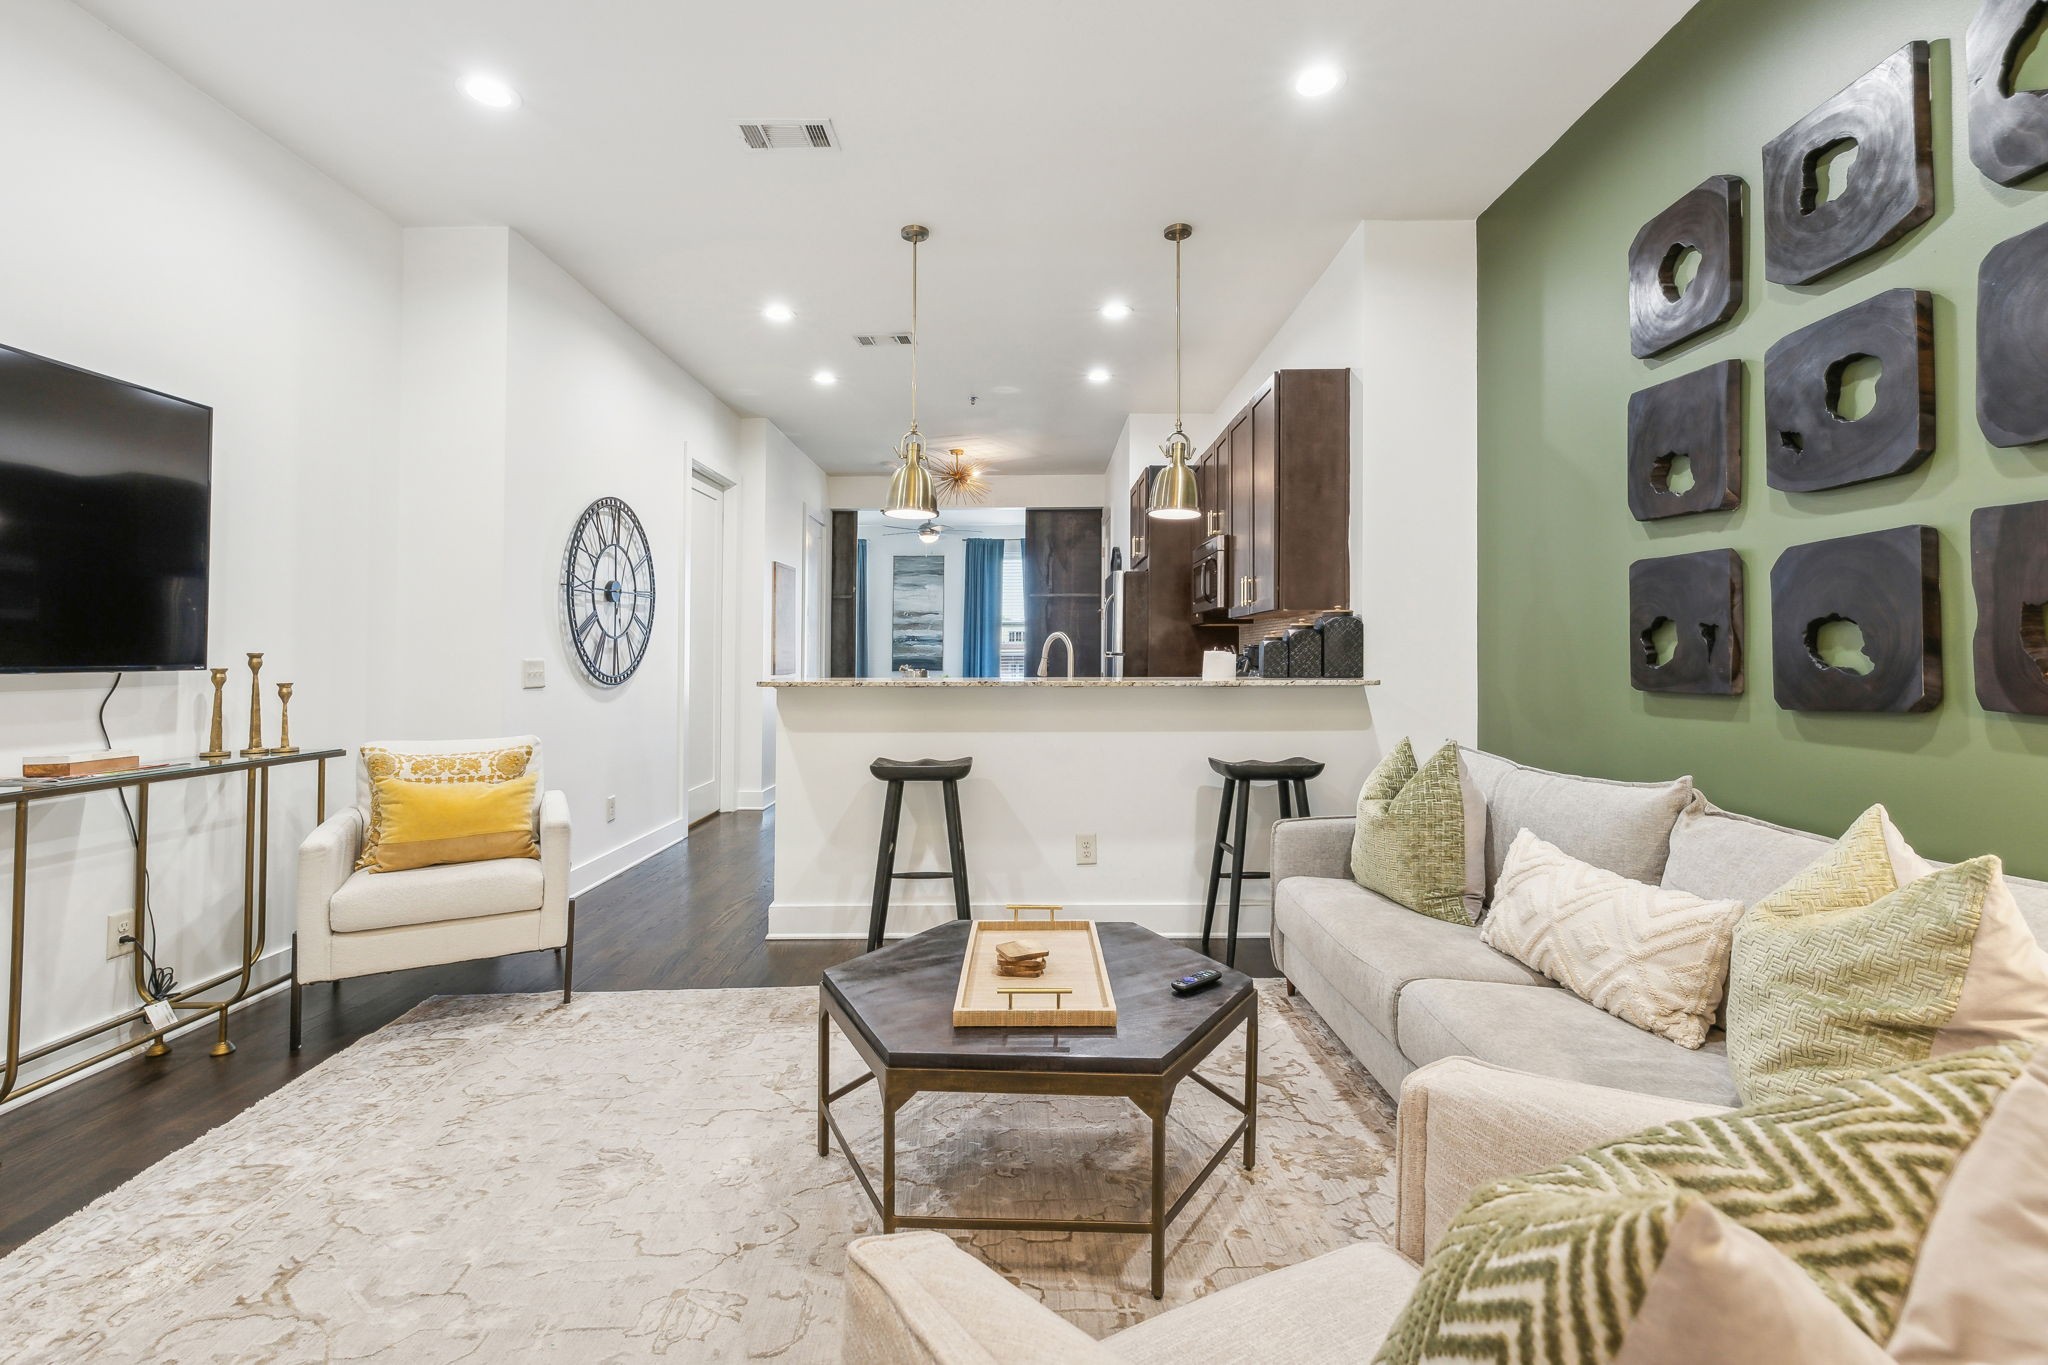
(358, 923)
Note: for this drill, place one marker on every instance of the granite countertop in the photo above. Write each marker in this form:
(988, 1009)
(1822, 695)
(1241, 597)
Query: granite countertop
(1068, 682)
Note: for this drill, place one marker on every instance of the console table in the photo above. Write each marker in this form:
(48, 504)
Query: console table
(22, 793)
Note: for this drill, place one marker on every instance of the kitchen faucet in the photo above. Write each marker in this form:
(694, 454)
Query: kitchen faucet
(1046, 653)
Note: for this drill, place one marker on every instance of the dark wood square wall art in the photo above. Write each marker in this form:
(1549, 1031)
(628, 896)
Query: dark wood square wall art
(1812, 229)
(1809, 445)
(1663, 312)
(1697, 600)
(2009, 564)
(1694, 423)
(1884, 584)
(2012, 340)
(2008, 127)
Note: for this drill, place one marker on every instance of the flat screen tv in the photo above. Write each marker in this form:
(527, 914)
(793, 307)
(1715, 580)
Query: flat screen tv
(105, 501)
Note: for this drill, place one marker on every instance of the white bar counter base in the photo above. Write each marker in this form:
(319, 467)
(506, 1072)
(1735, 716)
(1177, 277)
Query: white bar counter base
(1123, 759)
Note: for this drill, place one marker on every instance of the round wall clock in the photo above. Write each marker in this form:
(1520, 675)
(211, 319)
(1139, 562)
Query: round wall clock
(608, 589)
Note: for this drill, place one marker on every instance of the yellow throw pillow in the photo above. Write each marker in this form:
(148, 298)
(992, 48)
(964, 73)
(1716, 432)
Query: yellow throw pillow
(425, 823)
(468, 765)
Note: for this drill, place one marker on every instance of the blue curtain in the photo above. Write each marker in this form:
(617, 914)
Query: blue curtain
(982, 626)
(860, 608)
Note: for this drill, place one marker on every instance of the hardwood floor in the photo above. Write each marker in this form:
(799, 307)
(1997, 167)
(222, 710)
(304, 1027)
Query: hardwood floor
(692, 917)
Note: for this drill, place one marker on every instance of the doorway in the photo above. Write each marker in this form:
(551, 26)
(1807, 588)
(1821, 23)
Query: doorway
(703, 734)
(815, 664)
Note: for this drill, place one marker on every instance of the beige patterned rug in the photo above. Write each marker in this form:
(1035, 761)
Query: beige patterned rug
(502, 1178)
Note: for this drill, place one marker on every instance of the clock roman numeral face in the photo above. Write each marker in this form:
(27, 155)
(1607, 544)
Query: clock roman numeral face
(608, 591)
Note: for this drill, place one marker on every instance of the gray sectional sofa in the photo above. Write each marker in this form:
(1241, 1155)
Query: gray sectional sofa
(1403, 990)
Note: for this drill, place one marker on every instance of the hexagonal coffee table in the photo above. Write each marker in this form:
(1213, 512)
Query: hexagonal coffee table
(896, 1007)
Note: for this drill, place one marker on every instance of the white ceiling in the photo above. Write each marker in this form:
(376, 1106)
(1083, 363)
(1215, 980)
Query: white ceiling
(1046, 143)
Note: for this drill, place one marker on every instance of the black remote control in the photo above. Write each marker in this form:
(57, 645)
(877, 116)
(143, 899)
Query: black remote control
(1196, 981)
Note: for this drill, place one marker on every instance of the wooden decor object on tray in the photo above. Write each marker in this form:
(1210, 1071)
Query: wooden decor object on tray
(1071, 990)
(81, 765)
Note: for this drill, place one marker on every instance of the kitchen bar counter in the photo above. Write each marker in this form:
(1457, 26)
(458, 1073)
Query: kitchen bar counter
(1125, 760)
(1069, 682)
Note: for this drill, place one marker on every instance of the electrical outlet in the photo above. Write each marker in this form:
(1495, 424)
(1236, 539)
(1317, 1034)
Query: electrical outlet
(120, 926)
(1084, 850)
(533, 673)
(611, 808)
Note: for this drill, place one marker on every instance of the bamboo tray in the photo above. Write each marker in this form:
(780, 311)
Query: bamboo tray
(1073, 993)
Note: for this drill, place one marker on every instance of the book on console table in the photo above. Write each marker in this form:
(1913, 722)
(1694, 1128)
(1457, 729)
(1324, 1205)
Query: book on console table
(89, 764)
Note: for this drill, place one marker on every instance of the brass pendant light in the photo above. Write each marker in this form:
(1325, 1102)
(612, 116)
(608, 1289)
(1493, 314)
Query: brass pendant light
(1175, 495)
(911, 494)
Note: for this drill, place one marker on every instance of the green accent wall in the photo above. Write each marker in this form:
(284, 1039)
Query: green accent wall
(1555, 374)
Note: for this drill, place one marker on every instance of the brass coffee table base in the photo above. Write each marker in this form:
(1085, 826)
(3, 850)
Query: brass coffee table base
(1152, 1094)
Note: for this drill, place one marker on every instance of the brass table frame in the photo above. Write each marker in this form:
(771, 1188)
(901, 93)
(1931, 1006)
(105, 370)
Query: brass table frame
(1151, 1092)
(255, 905)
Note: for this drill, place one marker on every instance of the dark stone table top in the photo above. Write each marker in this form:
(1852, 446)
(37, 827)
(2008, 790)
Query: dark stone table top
(901, 1000)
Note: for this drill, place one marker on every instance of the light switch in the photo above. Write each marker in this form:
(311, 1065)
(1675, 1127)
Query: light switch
(533, 673)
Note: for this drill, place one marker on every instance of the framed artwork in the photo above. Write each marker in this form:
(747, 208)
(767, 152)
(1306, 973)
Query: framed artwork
(1815, 440)
(1665, 307)
(1819, 215)
(1685, 444)
(788, 620)
(917, 612)
(1856, 623)
(1685, 624)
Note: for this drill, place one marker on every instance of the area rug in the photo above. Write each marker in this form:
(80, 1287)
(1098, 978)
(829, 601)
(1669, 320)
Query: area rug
(635, 1175)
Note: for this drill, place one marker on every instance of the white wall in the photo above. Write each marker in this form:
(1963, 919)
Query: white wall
(779, 488)
(883, 550)
(864, 491)
(152, 236)
(406, 426)
(1399, 305)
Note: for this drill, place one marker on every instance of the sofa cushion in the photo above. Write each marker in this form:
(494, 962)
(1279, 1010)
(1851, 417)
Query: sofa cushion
(1624, 827)
(1337, 1306)
(1420, 835)
(1551, 1032)
(1369, 948)
(430, 895)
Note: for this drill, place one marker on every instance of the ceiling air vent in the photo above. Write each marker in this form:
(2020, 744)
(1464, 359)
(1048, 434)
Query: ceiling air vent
(882, 338)
(790, 135)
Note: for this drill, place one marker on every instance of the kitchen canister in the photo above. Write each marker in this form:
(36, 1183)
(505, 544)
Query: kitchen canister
(1219, 665)
(1304, 652)
(1343, 637)
(1273, 656)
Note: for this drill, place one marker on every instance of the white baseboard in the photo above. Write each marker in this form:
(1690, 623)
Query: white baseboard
(605, 866)
(273, 970)
(755, 799)
(788, 921)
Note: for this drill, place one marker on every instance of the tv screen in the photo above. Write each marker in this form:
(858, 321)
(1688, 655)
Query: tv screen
(105, 502)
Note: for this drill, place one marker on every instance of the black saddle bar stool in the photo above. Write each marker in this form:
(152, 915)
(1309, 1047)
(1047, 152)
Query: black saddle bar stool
(896, 772)
(1292, 775)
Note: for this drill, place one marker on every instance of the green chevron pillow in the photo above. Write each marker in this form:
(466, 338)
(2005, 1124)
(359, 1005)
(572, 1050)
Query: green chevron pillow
(1612, 1256)
(1421, 835)
(1873, 958)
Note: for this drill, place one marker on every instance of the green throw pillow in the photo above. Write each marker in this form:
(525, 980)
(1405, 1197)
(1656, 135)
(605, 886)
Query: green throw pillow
(1556, 1266)
(1872, 958)
(1421, 835)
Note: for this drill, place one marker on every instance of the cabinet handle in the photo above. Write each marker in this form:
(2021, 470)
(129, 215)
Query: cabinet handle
(1137, 547)
(1215, 523)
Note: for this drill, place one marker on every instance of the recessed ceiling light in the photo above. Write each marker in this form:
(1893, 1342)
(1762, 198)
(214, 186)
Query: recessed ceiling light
(1316, 80)
(778, 312)
(1098, 375)
(825, 377)
(1116, 310)
(490, 92)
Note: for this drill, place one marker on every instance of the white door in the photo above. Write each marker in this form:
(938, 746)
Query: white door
(702, 740)
(816, 665)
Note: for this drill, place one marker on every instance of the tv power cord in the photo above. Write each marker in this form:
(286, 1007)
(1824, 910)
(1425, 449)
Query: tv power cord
(159, 981)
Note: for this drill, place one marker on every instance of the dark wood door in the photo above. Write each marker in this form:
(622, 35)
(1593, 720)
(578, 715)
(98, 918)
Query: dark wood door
(845, 592)
(1263, 562)
(1063, 585)
(1243, 513)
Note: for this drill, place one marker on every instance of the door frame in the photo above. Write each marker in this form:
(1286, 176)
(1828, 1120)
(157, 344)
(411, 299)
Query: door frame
(814, 652)
(726, 665)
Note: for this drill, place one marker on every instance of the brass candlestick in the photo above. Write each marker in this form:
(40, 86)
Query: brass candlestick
(284, 721)
(216, 747)
(255, 749)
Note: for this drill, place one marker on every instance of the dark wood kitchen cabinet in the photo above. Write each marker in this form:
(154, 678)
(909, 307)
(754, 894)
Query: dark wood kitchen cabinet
(1288, 456)
(1063, 586)
(1140, 549)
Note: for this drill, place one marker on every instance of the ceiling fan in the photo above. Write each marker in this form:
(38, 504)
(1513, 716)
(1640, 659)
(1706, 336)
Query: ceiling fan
(929, 532)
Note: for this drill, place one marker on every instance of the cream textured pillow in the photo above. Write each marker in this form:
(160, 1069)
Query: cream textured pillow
(1869, 959)
(1655, 957)
(1420, 840)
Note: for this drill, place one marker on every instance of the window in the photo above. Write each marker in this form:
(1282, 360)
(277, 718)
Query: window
(1010, 651)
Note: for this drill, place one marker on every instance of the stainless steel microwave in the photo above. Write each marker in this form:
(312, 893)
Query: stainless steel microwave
(1212, 576)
